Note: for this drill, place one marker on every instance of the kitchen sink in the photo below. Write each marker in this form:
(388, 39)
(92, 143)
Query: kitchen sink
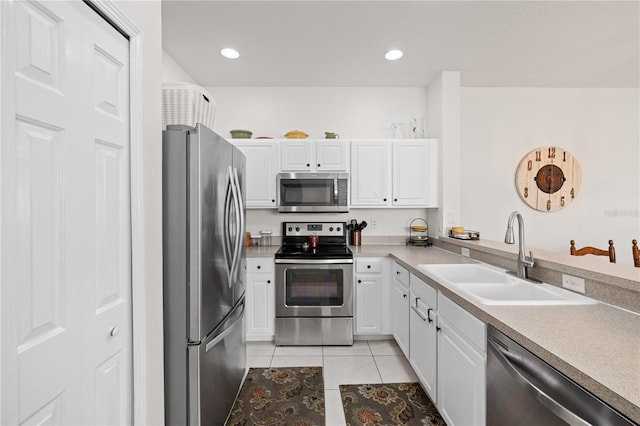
(493, 286)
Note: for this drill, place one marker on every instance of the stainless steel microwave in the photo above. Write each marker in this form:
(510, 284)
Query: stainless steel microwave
(313, 192)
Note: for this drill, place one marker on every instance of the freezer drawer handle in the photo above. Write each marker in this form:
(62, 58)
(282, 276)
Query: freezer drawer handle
(557, 409)
(225, 333)
(114, 331)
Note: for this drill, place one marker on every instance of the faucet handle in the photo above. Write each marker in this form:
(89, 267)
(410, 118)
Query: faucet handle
(530, 262)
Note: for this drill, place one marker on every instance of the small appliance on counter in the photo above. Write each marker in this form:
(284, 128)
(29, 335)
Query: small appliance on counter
(314, 285)
(418, 233)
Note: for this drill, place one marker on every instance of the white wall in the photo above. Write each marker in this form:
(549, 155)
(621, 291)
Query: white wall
(172, 71)
(443, 123)
(146, 15)
(351, 112)
(600, 127)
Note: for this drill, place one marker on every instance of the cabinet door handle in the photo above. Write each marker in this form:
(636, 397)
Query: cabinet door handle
(384, 199)
(418, 313)
(395, 199)
(359, 281)
(318, 164)
(429, 315)
(273, 201)
(308, 164)
(438, 328)
(368, 266)
(397, 272)
(258, 266)
(268, 281)
(404, 295)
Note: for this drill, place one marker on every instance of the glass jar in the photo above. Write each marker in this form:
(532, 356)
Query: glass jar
(255, 241)
(266, 238)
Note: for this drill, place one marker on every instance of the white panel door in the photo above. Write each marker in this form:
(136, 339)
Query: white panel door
(262, 167)
(297, 156)
(368, 304)
(415, 173)
(65, 217)
(332, 155)
(370, 173)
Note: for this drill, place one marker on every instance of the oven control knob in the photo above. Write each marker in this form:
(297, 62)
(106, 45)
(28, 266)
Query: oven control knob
(297, 229)
(290, 229)
(338, 229)
(331, 229)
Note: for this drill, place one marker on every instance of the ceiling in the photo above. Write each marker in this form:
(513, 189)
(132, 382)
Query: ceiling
(342, 43)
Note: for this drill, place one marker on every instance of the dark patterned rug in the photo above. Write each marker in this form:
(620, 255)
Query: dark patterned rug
(388, 404)
(280, 396)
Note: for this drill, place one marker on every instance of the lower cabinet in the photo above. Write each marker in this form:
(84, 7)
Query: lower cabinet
(462, 359)
(423, 334)
(260, 299)
(400, 307)
(371, 293)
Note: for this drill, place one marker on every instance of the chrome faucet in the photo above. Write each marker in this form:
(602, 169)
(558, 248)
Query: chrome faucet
(523, 262)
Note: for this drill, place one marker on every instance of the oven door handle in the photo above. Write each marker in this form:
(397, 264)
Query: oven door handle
(314, 261)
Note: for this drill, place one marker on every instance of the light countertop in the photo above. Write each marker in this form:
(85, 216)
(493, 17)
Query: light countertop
(598, 346)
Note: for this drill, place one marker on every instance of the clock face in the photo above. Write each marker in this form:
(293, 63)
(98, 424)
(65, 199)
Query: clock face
(548, 178)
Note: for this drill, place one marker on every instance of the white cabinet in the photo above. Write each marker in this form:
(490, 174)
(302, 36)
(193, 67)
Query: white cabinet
(394, 173)
(423, 334)
(400, 307)
(415, 173)
(461, 365)
(260, 299)
(314, 155)
(370, 173)
(371, 311)
(262, 166)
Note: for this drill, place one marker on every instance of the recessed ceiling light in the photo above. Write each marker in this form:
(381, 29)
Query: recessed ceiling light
(393, 55)
(230, 53)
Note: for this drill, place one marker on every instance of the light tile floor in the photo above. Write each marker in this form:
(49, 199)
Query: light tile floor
(367, 361)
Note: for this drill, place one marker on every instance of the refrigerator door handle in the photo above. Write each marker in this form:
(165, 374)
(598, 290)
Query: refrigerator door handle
(227, 248)
(239, 222)
(236, 321)
(240, 215)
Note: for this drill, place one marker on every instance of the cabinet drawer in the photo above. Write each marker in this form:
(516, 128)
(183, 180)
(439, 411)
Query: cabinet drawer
(259, 265)
(470, 327)
(401, 274)
(368, 266)
(427, 294)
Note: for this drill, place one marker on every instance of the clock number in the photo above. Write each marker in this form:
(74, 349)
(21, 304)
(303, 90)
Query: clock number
(573, 194)
(562, 201)
(548, 205)
(538, 155)
(529, 165)
(552, 152)
(526, 192)
(564, 156)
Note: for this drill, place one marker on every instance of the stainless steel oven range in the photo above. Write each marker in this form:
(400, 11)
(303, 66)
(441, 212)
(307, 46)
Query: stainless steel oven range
(314, 285)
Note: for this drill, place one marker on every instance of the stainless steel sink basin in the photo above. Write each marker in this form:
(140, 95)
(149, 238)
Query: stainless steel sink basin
(493, 286)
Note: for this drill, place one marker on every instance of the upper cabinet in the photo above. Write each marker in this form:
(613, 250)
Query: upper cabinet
(262, 166)
(314, 155)
(394, 173)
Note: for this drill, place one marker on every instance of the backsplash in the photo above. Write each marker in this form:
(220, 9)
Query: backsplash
(388, 222)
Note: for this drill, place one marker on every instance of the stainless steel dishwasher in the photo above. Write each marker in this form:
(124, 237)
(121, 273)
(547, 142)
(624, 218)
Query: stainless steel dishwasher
(524, 390)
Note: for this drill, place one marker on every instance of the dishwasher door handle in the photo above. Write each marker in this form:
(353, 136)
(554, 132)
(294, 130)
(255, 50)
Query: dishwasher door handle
(554, 406)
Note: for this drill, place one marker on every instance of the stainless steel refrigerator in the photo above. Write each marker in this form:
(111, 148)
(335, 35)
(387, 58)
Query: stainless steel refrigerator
(204, 269)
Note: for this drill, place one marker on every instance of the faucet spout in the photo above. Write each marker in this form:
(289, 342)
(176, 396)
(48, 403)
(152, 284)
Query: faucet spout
(509, 238)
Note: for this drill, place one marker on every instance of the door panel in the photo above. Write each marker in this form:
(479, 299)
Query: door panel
(65, 217)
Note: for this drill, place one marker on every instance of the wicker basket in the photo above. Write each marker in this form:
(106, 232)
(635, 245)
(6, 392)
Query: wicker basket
(186, 104)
